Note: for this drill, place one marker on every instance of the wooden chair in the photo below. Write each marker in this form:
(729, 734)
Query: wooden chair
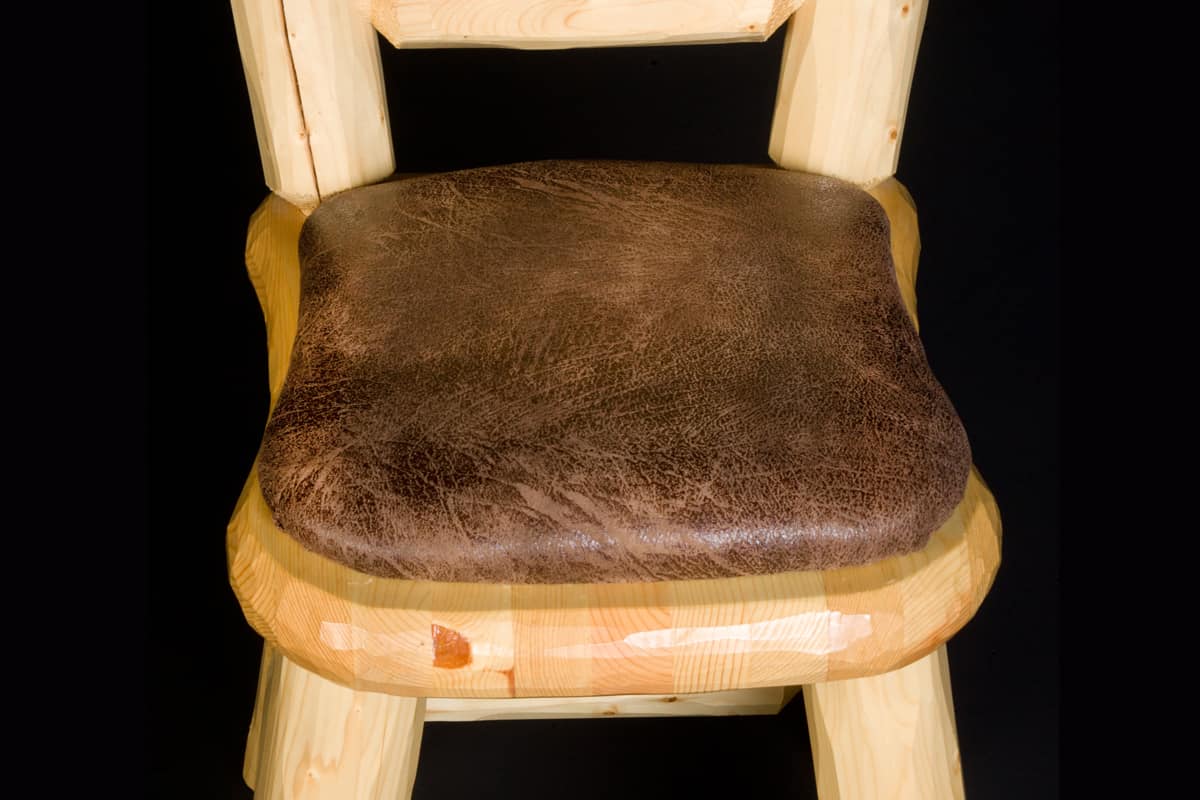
(354, 663)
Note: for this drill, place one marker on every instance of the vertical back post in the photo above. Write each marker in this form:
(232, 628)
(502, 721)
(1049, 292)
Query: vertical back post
(843, 89)
(316, 91)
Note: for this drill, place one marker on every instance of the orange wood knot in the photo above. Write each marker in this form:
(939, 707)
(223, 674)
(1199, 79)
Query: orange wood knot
(904, 10)
(451, 649)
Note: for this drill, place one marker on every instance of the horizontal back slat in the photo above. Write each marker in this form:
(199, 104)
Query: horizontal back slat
(560, 24)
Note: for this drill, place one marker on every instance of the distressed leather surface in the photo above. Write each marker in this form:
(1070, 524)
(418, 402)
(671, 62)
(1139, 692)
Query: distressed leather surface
(577, 372)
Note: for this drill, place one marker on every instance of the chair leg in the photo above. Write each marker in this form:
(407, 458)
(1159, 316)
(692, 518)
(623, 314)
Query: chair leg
(888, 736)
(311, 739)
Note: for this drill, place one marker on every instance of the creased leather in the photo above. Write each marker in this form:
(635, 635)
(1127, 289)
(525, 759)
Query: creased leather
(578, 372)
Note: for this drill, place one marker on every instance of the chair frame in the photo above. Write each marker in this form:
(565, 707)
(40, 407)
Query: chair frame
(354, 664)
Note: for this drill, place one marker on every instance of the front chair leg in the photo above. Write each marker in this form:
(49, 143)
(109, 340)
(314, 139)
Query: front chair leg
(888, 736)
(311, 738)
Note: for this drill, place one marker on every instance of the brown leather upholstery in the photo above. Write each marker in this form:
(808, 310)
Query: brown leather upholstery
(563, 372)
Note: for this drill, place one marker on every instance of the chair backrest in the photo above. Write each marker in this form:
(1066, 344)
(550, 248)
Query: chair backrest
(316, 82)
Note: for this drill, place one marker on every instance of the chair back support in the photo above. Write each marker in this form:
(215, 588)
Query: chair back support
(530, 24)
(316, 82)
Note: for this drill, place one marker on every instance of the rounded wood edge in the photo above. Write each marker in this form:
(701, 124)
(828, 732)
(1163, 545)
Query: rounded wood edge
(905, 235)
(422, 638)
(467, 640)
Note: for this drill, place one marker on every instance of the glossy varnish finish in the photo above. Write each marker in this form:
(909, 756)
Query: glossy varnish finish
(599, 639)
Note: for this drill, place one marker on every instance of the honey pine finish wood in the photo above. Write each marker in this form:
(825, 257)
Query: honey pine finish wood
(354, 664)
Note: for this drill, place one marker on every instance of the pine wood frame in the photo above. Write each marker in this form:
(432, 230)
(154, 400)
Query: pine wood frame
(350, 668)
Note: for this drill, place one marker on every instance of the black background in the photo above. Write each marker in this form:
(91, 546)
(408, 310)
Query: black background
(981, 158)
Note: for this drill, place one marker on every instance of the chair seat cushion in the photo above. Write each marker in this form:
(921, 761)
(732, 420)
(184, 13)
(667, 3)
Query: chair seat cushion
(584, 372)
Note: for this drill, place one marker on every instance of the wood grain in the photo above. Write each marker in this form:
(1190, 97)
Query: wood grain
(741, 702)
(275, 101)
(602, 639)
(843, 89)
(316, 91)
(888, 736)
(316, 740)
(555, 24)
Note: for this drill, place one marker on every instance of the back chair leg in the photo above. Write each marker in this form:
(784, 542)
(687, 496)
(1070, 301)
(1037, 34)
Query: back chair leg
(888, 736)
(313, 739)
